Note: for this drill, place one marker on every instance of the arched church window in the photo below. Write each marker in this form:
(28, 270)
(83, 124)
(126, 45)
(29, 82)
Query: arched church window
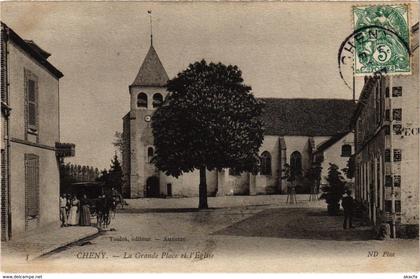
(296, 164)
(142, 100)
(346, 150)
(157, 100)
(266, 163)
(150, 154)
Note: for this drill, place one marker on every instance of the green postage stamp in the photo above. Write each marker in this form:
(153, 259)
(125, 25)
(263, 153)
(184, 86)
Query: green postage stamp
(381, 39)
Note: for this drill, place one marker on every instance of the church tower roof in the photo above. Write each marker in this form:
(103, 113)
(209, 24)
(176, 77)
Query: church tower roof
(152, 72)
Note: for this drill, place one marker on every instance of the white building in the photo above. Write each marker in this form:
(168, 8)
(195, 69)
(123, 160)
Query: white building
(294, 128)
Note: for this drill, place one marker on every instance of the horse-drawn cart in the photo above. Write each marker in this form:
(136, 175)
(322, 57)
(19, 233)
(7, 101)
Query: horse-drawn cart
(102, 200)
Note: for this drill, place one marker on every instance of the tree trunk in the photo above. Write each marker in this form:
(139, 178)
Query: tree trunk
(203, 189)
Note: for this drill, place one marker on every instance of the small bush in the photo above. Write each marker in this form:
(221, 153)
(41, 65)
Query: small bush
(334, 190)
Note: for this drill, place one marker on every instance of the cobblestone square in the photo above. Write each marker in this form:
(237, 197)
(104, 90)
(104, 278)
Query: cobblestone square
(273, 236)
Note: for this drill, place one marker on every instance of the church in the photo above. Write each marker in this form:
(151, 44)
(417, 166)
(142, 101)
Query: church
(296, 132)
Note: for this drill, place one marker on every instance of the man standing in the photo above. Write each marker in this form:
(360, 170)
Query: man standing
(63, 213)
(347, 203)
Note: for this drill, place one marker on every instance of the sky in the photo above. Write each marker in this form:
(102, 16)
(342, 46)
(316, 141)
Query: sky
(285, 50)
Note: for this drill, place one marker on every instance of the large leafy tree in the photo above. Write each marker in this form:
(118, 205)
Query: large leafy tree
(119, 142)
(113, 178)
(209, 120)
(115, 174)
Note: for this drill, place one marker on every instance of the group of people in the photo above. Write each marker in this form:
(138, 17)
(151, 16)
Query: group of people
(74, 212)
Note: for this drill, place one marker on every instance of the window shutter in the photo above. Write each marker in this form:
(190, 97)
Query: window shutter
(397, 114)
(398, 206)
(31, 114)
(387, 155)
(31, 185)
(36, 105)
(388, 181)
(26, 104)
(388, 206)
(397, 180)
(3, 68)
(31, 102)
(397, 155)
(4, 197)
(31, 91)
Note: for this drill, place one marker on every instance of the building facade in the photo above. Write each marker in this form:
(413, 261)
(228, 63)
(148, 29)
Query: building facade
(30, 144)
(387, 154)
(294, 128)
(337, 149)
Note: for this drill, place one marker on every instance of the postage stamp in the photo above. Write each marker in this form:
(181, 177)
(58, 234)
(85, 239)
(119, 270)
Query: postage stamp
(383, 39)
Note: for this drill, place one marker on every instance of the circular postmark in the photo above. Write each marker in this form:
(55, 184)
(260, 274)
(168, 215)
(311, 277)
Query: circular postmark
(370, 50)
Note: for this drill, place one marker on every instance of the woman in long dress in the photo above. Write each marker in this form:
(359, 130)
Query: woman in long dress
(74, 212)
(84, 211)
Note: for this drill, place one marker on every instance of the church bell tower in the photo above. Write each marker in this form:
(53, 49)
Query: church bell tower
(147, 93)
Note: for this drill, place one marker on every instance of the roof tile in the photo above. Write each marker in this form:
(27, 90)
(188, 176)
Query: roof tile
(152, 72)
(307, 117)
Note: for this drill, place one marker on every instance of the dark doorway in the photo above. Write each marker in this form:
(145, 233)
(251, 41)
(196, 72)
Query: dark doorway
(169, 189)
(152, 187)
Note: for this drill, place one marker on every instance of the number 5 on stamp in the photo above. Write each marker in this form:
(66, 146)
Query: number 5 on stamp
(382, 40)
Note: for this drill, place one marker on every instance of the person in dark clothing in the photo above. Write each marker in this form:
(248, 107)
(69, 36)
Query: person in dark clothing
(103, 206)
(348, 204)
(99, 207)
(84, 211)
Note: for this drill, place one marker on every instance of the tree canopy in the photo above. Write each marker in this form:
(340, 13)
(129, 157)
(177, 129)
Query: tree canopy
(114, 177)
(209, 120)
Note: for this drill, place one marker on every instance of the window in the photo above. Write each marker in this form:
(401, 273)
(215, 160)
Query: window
(397, 91)
(387, 116)
(387, 155)
(31, 102)
(388, 206)
(397, 155)
(397, 180)
(157, 100)
(397, 206)
(382, 102)
(387, 92)
(296, 164)
(142, 100)
(265, 163)
(397, 114)
(150, 154)
(378, 101)
(346, 150)
(31, 186)
(388, 181)
(387, 130)
(3, 81)
(397, 129)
